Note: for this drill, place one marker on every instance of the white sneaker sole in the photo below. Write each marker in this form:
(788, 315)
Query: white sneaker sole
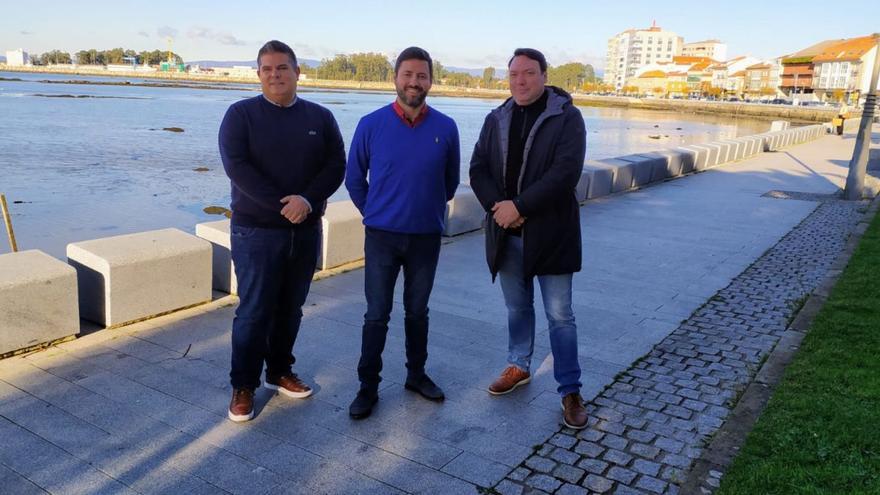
(240, 418)
(511, 389)
(284, 391)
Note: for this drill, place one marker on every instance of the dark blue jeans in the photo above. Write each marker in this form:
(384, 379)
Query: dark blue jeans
(385, 254)
(274, 268)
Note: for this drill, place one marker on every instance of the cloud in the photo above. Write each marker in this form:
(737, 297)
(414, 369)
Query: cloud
(224, 38)
(166, 31)
(144, 34)
(26, 33)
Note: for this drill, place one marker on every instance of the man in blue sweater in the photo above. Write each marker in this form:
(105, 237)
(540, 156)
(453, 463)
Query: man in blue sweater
(285, 157)
(403, 167)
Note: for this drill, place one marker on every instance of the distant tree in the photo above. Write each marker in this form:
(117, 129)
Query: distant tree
(440, 72)
(53, 57)
(590, 74)
(461, 80)
(488, 76)
(338, 68)
(371, 67)
(569, 76)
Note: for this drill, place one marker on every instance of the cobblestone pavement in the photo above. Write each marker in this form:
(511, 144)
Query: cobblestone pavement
(652, 422)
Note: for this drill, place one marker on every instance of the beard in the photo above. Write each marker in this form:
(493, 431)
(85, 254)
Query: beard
(412, 101)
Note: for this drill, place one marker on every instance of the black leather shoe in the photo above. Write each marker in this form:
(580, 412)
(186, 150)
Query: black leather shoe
(425, 387)
(362, 405)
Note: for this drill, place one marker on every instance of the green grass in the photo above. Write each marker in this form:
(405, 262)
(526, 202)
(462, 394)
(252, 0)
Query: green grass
(820, 432)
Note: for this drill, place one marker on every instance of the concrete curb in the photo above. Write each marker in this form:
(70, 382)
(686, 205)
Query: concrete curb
(728, 440)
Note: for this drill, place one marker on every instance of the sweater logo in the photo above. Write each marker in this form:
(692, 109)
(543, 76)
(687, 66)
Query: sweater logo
(313, 133)
(436, 139)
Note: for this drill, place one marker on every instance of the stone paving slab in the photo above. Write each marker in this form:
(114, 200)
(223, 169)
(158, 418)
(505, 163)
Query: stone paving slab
(158, 390)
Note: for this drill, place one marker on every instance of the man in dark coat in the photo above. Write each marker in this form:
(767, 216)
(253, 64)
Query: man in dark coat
(524, 170)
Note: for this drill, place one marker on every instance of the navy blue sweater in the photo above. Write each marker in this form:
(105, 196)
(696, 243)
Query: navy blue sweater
(413, 171)
(270, 152)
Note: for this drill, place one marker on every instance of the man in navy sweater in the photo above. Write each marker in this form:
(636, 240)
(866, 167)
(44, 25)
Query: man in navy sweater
(285, 157)
(403, 167)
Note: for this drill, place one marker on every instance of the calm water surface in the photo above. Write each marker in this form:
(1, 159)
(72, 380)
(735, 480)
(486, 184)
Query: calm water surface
(99, 164)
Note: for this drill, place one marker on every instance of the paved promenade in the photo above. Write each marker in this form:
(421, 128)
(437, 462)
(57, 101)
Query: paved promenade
(685, 287)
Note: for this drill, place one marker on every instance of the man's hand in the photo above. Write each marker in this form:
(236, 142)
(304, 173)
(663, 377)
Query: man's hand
(295, 208)
(506, 215)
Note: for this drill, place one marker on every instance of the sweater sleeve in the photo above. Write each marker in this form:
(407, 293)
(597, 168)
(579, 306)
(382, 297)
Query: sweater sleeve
(565, 167)
(487, 190)
(357, 167)
(453, 163)
(234, 154)
(328, 180)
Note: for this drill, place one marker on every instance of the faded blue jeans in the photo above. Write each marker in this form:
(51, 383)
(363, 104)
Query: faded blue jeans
(519, 295)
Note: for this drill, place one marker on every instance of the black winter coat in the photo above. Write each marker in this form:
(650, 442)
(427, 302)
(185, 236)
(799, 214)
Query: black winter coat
(553, 162)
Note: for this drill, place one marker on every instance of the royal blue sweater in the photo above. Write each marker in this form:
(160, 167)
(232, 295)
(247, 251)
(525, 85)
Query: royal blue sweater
(401, 177)
(270, 152)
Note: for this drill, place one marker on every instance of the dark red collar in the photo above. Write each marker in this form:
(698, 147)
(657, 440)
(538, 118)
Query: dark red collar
(400, 113)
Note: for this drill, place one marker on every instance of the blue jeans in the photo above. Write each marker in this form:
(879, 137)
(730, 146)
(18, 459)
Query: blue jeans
(385, 254)
(274, 268)
(519, 295)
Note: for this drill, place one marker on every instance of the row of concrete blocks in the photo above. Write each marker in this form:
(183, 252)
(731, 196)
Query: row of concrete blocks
(122, 279)
(613, 175)
(118, 280)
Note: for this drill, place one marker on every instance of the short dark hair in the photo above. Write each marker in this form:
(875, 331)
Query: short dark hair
(532, 54)
(415, 53)
(275, 46)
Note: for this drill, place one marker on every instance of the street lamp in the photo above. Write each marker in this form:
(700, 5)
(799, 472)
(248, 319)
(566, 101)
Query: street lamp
(855, 179)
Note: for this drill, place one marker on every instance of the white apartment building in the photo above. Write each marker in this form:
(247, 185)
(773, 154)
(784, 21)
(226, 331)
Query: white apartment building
(634, 49)
(17, 57)
(713, 49)
(721, 72)
(845, 68)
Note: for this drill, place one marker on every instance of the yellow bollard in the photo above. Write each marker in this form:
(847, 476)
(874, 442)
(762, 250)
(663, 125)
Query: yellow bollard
(8, 221)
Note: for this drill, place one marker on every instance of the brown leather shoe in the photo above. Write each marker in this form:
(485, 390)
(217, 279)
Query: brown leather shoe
(574, 414)
(510, 378)
(242, 406)
(289, 385)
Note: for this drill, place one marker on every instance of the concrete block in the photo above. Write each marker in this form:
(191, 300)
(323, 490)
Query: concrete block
(774, 141)
(688, 157)
(342, 238)
(766, 139)
(779, 125)
(748, 145)
(464, 213)
(131, 277)
(223, 270)
(601, 179)
(710, 159)
(757, 145)
(583, 186)
(667, 164)
(37, 300)
(736, 151)
(726, 151)
(674, 164)
(623, 174)
(643, 167)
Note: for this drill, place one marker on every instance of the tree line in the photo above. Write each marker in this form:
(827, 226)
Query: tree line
(105, 57)
(375, 67)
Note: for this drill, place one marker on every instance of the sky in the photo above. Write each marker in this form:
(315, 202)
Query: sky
(472, 34)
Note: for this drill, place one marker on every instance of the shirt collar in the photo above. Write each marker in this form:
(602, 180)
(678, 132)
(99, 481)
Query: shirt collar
(400, 113)
(292, 102)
